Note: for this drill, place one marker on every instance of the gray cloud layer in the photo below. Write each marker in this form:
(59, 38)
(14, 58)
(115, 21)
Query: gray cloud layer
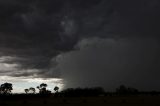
(109, 63)
(122, 37)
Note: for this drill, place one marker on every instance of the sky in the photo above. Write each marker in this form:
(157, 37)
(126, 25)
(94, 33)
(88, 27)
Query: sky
(80, 43)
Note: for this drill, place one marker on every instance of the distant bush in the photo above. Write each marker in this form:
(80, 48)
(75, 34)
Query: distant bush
(123, 90)
(76, 92)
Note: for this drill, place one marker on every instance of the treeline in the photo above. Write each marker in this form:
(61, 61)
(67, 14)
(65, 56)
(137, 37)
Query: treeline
(76, 92)
(6, 89)
(122, 90)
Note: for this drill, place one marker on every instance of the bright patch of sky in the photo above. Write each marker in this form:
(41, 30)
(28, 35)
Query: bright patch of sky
(21, 83)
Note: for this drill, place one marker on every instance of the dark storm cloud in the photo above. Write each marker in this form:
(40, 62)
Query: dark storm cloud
(34, 33)
(137, 17)
(109, 63)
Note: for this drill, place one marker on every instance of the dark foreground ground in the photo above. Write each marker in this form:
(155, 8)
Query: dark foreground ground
(83, 101)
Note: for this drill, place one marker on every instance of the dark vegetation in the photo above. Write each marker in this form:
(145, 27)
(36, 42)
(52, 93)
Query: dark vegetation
(122, 90)
(6, 88)
(77, 96)
(83, 92)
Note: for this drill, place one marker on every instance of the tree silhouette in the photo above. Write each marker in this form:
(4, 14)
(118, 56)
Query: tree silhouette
(6, 88)
(56, 89)
(26, 90)
(84, 92)
(123, 90)
(133, 91)
(32, 90)
(42, 89)
(43, 85)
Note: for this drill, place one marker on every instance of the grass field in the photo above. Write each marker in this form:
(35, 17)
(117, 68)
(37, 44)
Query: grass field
(84, 101)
